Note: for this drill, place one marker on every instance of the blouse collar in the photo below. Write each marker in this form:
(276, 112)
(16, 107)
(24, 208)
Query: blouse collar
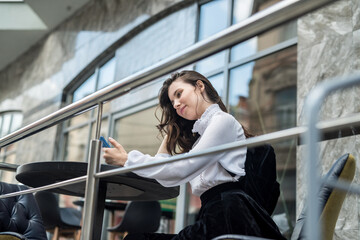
(201, 124)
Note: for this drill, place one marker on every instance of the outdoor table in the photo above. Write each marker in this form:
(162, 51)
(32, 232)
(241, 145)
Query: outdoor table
(123, 186)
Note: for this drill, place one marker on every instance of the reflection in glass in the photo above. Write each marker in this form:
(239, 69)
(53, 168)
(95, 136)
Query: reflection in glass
(218, 82)
(77, 141)
(138, 131)
(285, 103)
(262, 97)
(9, 176)
(213, 18)
(16, 121)
(6, 121)
(240, 78)
(106, 74)
(85, 89)
(104, 128)
(82, 118)
(242, 10)
(277, 35)
(244, 49)
(210, 63)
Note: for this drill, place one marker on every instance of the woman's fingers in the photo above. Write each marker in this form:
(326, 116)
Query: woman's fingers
(116, 144)
(116, 155)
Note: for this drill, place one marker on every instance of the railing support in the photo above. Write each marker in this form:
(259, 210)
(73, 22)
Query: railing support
(93, 191)
(311, 138)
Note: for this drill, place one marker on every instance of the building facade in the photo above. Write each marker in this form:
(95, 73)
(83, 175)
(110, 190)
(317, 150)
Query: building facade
(263, 81)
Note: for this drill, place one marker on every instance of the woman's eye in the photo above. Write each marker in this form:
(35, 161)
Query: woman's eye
(178, 94)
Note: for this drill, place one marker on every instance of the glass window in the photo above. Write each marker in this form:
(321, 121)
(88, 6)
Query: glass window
(285, 102)
(213, 18)
(76, 131)
(263, 90)
(76, 144)
(260, 76)
(85, 89)
(242, 10)
(218, 82)
(215, 61)
(6, 124)
(106, 74)
(138, 131)
(10, 121)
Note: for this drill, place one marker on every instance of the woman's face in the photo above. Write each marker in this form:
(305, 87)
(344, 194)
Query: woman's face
(187, 99)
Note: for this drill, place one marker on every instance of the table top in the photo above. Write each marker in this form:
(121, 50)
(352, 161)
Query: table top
(123, 186)
(109, 205)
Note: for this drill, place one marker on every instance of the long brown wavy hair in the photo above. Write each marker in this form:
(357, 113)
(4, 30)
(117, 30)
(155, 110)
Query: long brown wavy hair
(179, 130)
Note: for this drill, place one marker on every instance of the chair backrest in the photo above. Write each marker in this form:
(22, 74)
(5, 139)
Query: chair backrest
(141, 217)
(20, 214)
(330, 199)
(49, 208)
(260, 179)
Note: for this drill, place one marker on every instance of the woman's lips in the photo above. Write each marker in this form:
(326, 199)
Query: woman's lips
(182, 110)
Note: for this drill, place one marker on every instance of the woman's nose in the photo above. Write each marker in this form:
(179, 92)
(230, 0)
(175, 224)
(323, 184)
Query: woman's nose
(176, 103)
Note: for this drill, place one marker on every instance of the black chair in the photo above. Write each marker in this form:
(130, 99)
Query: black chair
(20, 216)
(330, 200)
(65, 222)
(139, 217)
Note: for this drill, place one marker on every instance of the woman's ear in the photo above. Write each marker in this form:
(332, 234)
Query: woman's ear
(200, 85)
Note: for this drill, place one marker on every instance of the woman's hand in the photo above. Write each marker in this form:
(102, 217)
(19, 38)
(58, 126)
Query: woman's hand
(116, 155)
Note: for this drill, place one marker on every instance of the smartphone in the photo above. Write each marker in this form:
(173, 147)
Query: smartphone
(105, 144)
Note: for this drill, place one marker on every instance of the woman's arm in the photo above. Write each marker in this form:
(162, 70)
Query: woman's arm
(220, 131)
(162, 148)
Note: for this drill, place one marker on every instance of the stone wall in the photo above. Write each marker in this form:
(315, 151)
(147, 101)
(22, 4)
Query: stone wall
(329, 46)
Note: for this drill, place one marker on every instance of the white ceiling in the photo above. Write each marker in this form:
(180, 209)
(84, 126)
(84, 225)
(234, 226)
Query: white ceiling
(23, 23)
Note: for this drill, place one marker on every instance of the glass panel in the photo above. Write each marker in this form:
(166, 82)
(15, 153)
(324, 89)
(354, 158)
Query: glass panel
(76, 144)
(138, 131)
(244, 49)
(6, 124)
(218, 82)
(264, 41)
(213, 18)
(82, 118)
(285, 103)
(85, 89)
(240, 79)
(277, 35)
(106, 74)
(262, 97)
(8, 176)
(242, 10)
(210, 63)
(16, 121)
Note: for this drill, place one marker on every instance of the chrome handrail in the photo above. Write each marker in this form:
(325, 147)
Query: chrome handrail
(269, 18)
(311, 137)
(324, 126)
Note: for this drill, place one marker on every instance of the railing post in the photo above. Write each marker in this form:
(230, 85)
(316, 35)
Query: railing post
(92, 191)
(311, 138)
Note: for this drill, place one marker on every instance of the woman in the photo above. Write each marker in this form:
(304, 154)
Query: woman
(194, 118)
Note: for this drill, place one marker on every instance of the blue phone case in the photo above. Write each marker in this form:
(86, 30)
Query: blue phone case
(105, 144)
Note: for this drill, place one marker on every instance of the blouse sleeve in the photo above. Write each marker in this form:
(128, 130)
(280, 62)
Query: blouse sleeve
(220, 130)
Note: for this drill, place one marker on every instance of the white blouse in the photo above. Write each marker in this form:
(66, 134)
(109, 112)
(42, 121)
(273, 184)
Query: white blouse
(215, 127)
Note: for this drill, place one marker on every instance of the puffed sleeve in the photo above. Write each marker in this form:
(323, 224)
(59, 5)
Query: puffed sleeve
(220, 130)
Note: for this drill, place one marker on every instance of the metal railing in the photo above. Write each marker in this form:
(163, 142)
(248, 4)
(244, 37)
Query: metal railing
(254, 25)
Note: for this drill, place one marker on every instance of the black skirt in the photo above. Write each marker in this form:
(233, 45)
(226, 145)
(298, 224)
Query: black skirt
(225, 209)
